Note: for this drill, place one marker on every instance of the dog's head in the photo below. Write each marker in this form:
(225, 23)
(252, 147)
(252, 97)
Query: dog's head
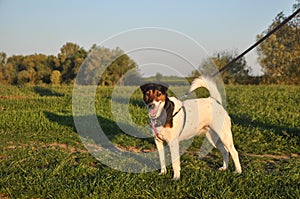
(155, 96)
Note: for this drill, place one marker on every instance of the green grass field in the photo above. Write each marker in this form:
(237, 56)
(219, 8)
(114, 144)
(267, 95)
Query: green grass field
(41, 155)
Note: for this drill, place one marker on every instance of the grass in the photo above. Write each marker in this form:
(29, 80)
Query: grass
(41, 155)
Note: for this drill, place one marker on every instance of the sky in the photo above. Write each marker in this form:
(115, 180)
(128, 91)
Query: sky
(36, 26)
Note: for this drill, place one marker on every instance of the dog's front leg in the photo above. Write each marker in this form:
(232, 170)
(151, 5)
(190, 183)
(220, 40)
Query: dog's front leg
(175, 156)
(161, 153)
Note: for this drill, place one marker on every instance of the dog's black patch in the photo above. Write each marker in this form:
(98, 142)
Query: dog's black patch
(169, 108)
(154, 86)
(166, 117)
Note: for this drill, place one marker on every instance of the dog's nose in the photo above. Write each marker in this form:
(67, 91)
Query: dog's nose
(151, 106)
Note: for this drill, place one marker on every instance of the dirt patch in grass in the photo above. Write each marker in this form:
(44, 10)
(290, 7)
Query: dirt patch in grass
(135, 149)
(280, 157)
(66, 147)
(34, 146)
(3, 196)
(93, 147)
(12, 97)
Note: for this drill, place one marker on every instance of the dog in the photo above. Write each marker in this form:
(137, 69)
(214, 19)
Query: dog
(173, 120)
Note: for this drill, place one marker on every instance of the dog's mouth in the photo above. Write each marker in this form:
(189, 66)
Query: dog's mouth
(152, 109)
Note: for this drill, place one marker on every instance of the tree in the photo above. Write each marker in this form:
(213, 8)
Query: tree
(279, 55)
(38, 66)
(23, 77)
(10, 69)
(2, 58)
(132, 77)
(105, 67)
(70, 59)
(118, 68)
(53, 62)
(158, 76)
(2, 65)
(238, 73)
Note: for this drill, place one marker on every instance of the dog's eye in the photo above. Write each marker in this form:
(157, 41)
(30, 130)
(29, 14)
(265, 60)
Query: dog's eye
(147, 93)
(158, 94)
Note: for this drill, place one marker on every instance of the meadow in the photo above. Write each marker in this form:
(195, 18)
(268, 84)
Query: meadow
(42, 156)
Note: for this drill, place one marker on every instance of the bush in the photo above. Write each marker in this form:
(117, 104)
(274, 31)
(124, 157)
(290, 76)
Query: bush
(55, 77)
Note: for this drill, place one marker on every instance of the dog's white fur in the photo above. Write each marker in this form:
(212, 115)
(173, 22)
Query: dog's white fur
(204, 115)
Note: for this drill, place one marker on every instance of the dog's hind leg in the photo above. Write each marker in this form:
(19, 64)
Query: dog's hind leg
(228, 144)
(215, 140)
(224, 153)
(161, 153)
(235, 156)
(226, 139)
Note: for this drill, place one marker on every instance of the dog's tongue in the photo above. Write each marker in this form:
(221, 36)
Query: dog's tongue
(152, 112)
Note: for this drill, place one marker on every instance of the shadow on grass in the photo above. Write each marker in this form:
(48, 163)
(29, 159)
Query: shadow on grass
(112, 131)
(107, 125)
(47, 92)
(281, 130)
(89, 127)
(108, 146)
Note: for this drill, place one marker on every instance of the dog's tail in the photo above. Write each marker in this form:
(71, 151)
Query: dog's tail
(209, 84)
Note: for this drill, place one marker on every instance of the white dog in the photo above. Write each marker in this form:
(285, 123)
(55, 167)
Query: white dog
(173, 120)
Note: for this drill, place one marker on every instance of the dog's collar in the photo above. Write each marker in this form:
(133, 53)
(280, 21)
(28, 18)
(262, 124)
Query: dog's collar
(184, 118)
(177, 111)
(158, 122)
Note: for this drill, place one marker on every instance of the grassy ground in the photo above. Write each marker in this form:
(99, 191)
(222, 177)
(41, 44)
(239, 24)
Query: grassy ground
(41, 155)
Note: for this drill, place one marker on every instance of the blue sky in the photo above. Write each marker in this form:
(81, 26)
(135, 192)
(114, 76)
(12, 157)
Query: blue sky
(36, 26)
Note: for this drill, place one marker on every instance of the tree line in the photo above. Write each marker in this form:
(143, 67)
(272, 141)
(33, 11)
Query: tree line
(63, 68)
(279, 57)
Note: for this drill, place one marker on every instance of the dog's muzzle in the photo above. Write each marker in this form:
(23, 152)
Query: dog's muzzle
(153, 109)
(151, 106)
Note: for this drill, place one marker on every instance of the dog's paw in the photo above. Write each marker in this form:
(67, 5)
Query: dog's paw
(176, 175)
(238, 171)
(163, 171)
(222, 168)
(176, 178)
